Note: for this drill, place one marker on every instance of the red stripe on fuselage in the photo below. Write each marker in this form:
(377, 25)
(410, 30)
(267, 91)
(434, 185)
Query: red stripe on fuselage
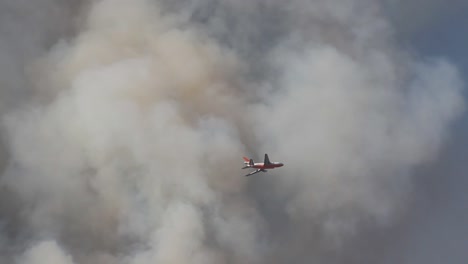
(269, 166)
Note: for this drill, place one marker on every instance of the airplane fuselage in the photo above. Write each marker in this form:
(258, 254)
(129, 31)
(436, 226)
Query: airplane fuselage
(267, 166)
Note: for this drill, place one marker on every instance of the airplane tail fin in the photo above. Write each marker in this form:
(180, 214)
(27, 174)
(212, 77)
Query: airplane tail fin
(248, 162)
(267, 160)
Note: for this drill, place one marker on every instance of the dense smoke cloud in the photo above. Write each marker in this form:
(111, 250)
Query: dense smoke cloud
(127, 149)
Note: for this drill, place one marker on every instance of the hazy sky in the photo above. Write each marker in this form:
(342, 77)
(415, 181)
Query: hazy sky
(441, 234)
(444, 34)
(123, 124)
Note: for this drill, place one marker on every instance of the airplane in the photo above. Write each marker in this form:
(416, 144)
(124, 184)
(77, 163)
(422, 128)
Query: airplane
(249, 163)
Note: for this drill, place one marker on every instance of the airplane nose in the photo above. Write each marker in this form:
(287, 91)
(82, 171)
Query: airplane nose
(281, 164)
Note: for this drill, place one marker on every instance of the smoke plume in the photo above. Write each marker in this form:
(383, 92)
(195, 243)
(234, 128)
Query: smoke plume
(127, 145)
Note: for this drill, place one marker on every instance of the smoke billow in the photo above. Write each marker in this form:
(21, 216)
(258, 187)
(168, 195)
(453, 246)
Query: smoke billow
(127, 149)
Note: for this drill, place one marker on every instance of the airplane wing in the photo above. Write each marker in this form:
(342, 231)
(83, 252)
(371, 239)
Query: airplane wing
(253, 172)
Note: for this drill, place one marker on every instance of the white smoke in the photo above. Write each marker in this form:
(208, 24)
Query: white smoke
(130, 153)
(45, 252)
(350, 140)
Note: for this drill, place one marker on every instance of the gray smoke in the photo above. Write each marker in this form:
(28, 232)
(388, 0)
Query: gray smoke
(127, 147)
